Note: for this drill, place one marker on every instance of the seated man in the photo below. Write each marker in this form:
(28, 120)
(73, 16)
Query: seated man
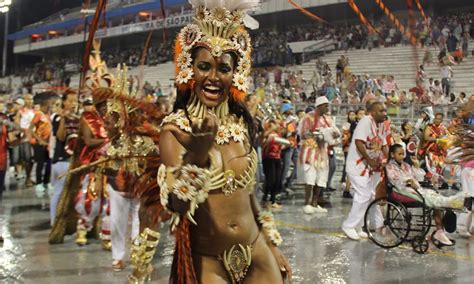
(404, 179)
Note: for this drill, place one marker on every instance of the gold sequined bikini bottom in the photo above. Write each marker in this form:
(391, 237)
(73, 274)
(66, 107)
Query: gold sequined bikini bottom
(236, 260)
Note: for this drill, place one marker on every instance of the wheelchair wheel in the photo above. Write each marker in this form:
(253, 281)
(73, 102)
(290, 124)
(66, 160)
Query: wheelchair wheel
(420, 245)
(387, 223)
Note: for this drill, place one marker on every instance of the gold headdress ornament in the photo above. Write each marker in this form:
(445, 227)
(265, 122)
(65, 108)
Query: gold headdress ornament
(219, 26)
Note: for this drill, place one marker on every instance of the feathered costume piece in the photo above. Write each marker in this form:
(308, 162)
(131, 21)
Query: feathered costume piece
(133, 153)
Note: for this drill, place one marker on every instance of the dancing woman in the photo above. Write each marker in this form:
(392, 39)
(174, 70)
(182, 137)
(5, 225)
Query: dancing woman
(208, 174)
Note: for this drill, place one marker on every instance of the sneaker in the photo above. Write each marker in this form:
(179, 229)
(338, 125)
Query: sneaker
(319, 209)
(346, 194)
(351, 233)
(440, 235)
(290, 191)
(117, 265)
(362, 234)
(40, 190)
(308, 209)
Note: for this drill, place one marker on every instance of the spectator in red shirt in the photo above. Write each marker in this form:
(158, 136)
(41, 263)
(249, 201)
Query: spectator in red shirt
(271, 156)
(40, 130)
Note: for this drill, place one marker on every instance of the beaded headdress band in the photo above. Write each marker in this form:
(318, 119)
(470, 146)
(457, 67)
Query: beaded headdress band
(219, 26)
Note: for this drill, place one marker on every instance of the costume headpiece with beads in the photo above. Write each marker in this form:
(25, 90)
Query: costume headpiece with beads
(219, 26)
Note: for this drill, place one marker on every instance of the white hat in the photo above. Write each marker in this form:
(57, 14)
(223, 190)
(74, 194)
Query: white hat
(20, 101)
(321, 101)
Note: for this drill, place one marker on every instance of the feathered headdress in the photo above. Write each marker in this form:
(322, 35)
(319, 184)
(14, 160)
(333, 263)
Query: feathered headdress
(219, 26)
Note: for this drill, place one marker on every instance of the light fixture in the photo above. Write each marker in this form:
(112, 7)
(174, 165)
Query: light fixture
(143, 14)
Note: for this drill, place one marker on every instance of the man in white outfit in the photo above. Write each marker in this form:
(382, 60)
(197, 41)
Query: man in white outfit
(366, 153)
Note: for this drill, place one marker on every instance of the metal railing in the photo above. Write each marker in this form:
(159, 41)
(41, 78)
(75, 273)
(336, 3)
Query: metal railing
(409, 112)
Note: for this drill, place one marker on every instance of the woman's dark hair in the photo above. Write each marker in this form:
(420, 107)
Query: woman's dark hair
(236, 108)
(404, 126)
(348, 113)
(394, 148)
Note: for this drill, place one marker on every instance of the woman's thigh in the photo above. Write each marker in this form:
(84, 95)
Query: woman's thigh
(264, 268)
(210, 270)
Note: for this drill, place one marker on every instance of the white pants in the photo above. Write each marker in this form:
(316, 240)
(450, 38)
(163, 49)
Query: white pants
(58, 169)
(121, 208)
(364, 192)
(313, 176)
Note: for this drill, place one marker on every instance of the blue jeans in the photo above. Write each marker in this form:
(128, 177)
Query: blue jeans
(286, 157)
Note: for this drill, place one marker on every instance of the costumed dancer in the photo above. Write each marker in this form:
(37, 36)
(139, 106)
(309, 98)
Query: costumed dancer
(314, 155)
(92, 199)
(207, 177)
(367, 151)
(84, 190)
(134, 159)
(434, 154)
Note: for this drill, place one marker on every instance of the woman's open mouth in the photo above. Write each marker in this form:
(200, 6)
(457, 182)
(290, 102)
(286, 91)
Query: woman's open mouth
(211, 92)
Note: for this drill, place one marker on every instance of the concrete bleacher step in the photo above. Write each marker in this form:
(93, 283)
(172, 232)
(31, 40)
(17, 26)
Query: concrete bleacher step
(398, 61)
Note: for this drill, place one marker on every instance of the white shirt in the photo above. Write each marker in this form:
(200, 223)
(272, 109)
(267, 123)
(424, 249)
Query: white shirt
(26, 116)
(445, 72)
(372, 135)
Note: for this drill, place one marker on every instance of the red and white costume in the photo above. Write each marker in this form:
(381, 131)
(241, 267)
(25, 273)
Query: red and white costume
(313, 156)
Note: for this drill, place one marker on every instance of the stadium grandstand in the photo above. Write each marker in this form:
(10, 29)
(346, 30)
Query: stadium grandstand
(58, 40)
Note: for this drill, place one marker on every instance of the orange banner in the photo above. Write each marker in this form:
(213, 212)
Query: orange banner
(361, 16)
(418, 4)
(306, 12)
(411, 37)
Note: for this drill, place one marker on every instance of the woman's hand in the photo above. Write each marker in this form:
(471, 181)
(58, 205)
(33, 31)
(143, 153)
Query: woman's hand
(200, 141)
(282, 262)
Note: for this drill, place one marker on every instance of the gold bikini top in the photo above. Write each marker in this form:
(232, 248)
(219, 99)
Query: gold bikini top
(230, 128)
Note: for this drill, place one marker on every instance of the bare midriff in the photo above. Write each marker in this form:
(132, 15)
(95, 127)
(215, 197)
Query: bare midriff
(223, 221)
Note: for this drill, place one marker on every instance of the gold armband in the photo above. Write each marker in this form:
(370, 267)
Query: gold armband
(265, 218)
(189, 183)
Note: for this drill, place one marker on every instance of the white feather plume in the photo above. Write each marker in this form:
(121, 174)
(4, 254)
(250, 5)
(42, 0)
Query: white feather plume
(230, 5)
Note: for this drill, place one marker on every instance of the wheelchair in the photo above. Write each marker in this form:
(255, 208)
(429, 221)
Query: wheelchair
(394, 219)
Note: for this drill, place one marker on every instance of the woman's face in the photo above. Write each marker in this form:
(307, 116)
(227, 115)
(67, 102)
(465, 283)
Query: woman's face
(213, 76)
(408, 127)
(352, 116)
(398, 155)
